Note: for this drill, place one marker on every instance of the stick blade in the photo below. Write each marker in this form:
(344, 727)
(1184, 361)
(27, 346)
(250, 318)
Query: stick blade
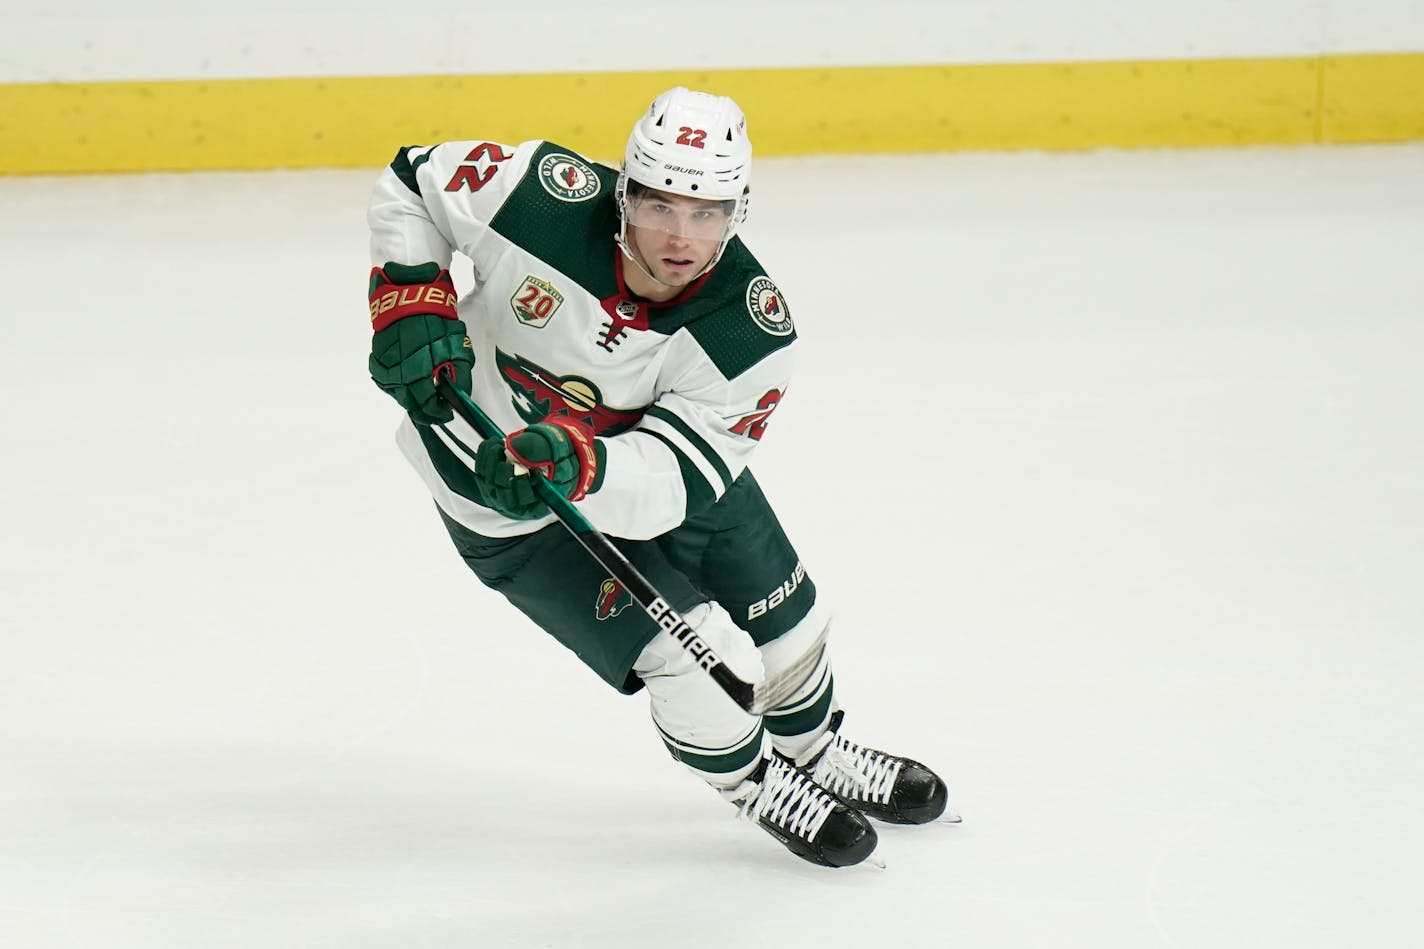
(772, 693)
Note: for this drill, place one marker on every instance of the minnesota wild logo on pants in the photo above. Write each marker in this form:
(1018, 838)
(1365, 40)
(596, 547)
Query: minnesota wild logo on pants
(551, 579)
(612, 599)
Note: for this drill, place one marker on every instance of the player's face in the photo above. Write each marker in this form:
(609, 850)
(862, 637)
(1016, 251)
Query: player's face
(675, 236)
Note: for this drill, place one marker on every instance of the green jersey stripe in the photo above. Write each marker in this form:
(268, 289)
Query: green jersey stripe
(700, 494)
(696, 441)
(405, 171)
(455, 473)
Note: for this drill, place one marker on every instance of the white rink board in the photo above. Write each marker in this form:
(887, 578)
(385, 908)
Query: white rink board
(169, 39)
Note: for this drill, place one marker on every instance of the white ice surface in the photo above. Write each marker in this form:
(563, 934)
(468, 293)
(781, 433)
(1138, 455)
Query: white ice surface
(1110, 462)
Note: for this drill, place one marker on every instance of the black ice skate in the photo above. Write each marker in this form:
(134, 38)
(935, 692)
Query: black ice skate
(813, 823)
(884, 786)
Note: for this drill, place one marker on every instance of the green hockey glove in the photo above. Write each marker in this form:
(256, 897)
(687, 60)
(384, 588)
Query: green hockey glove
(417, 332)
(561, 448)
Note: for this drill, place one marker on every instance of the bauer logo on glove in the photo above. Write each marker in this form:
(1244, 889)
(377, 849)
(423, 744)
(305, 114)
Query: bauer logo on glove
(417, 331)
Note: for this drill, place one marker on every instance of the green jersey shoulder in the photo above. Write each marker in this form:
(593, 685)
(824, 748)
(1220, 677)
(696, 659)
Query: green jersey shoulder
(739, 317)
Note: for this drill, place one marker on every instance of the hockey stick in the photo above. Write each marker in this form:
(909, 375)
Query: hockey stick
(756, 698)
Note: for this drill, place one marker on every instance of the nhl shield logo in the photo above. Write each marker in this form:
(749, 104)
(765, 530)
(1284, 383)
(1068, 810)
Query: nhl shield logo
(612, 599)
(768, 307)
(567, 178)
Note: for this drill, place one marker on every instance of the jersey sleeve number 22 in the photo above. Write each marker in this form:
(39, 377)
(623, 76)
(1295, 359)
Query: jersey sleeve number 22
(478, 167)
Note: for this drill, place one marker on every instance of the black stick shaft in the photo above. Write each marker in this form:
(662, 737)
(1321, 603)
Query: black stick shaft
(611, 559)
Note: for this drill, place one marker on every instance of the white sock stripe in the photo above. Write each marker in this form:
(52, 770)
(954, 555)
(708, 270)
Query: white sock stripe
(704, 751)
(817, 693)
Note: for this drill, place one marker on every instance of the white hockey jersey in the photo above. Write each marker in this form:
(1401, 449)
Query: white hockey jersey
(679, 392)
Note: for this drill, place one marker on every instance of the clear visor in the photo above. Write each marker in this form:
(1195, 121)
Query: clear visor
(673, 214)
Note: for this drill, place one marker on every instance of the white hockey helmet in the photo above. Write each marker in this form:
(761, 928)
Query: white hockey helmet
(692, 144)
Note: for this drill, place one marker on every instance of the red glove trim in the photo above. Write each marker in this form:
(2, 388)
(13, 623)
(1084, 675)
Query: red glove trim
(581, 435)
(545, 468)
(391, 301)
(446, 370)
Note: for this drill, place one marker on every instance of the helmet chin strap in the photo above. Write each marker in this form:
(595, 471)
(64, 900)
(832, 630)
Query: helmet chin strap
(637, 261)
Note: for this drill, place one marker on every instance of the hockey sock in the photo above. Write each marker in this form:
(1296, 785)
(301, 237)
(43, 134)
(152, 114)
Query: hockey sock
(800, 721)
(699, 725)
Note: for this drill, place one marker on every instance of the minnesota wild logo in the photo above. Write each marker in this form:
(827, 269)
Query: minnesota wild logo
(567, 178)
(537, 393)
(612, 599)
(768, 307)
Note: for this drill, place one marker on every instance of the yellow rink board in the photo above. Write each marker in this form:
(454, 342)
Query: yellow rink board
(51, 128)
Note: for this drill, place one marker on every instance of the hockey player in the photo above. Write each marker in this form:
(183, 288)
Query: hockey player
(619, 309)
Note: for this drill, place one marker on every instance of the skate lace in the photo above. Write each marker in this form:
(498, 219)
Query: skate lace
(857, 773)
(789, 799)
